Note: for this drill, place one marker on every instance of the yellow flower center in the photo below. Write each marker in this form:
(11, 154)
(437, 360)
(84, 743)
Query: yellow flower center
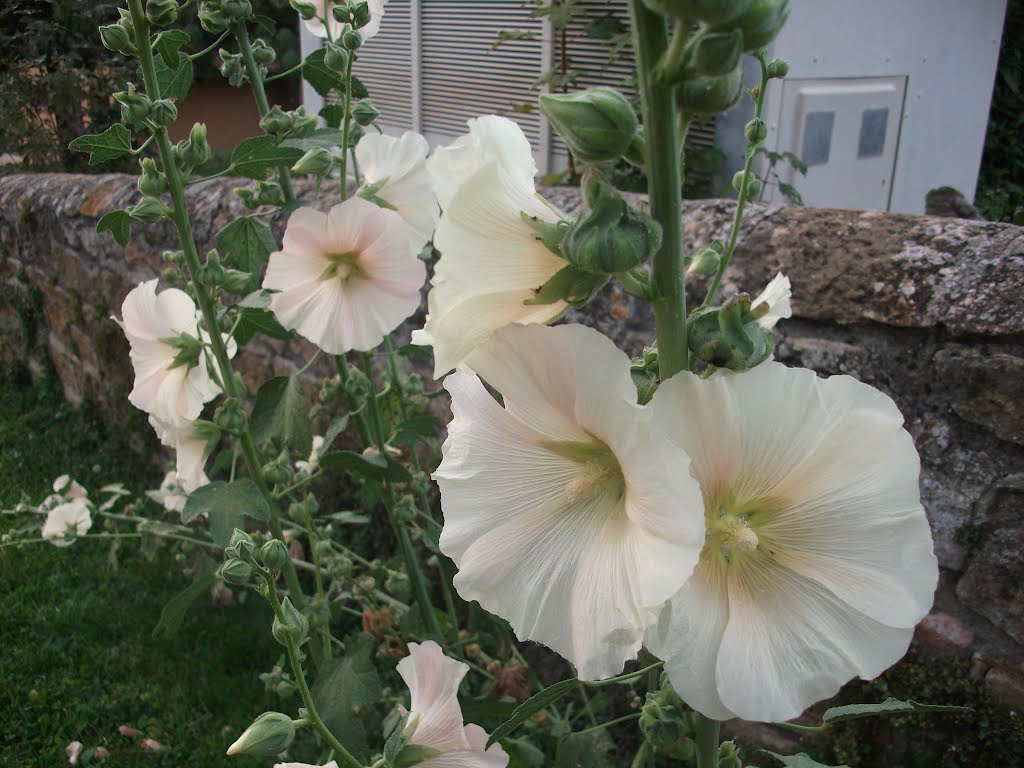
(732, 529)
(342, 266)
(599, 471)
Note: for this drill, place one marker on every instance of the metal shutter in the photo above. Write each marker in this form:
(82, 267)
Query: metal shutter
(387, 64)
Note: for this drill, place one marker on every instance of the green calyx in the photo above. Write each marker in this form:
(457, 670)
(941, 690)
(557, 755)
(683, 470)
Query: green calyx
(611, 237)
(709, 95)
(571, 285)
(760, 22)
(597, 124)
(730, 336)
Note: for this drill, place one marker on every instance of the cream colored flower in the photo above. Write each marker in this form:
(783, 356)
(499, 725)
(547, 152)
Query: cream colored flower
(395, 171)
(170, 495)
(567, 511)
(777, 296)
(436, 716)
(323, 13)
(71, 518)
(69, 488)
(491, 261)
(190, 452)
(347, 278)
(312, 463)
(818, 560)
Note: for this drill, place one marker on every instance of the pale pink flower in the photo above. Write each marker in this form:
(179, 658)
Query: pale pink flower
(347, 278)
(100, 753)
(435, 717)
(71, 518)
(74, 751)
(150, 746)
(323, 13)
(127, 730)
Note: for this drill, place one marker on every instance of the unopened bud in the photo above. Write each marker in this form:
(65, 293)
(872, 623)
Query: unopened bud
(212, 18)
(151, 181)
(171, 276)
(351, 39)
(360, 14)
(116, 38)
(705, 263)
(318, 162)
(597, 124)
(398, 584)
(262, 52)
(777, 68)
(135, 106)
(711, 11)
(729, 755)
(276, 122)
(708, 95)
(364, 112)
(212, 273)
(274, 554)
(357, 386)
(237, 282)
(270, 734)
(164, 112)
(302, 124)
(149, 209)
(730, 336)
(236, 10)
(293, 626)
(761, 22)
(305, 9)
(611, 237)
(755, 131)
(718, 53)
(232, 68)
(195, 150)
(230, 416)
(161, 13)
(236, 571)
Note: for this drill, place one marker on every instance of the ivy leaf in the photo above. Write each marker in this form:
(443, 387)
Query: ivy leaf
(532, 706)
(252, 321)
(245, 244)
(802, 760)
(346, 685)
(117, 223)
(253, 157)
(109, 145)
(227, 504)
(281, 411)
(169, 43)
(175, 81)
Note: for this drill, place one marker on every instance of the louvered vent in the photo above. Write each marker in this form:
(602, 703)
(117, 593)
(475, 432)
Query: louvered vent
(385, 65)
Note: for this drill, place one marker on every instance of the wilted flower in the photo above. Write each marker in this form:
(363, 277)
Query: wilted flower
(323, 12)
(568, 511)
(312, 463)
(776, 295)
(433, 681)
(395, 172)
(70, 518)
(347, 278)
(491, 260)
(818, 560)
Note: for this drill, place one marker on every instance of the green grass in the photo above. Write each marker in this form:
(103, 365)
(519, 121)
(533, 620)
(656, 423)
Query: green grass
(77, 654)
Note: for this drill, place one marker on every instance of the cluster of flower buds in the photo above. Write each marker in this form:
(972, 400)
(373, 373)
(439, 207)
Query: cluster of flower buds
(730, 336)
(293, 124)
(667, 723)
(264, 193)
(215, 16)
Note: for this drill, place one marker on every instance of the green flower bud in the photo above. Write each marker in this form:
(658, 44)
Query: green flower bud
(755, 131)
(305, 9)
(717, 53)
(364, 112)
(135, 106)
(126, 22)
(268, 193)
(711, 11)
(730, 336)
(195, 150)
(597, 124)
(729, 756)
(708, 95)
(777, 68)
(247, 196)
(342, 13)
(753, 188)
(318, 161)
(335, 57)
(360, 14)
(611, 237)
(278, 472)
(270, 734)
(660, 723)
(236, 10)
(161, 13)
(237, 282)
(149, 210)
(116, 38)
(151, 182)
(365, 584)
(212, 273)
(230, 416)
(262, 52)
(398, 584)
(405, 509)
(761, 22)
(302, 124)
(212, 18)
(274, 554)
(357, 387)
(171, 276)
(164, 112)
(293, 625)
(236, 571)
(276, 122)
(705, 263)
(351, 39)
(232, 67)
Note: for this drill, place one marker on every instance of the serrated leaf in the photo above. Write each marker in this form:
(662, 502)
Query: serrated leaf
(321, 138)
(888, 707)
(344, 685)
(532, 706)
(227, 504)
(174, 611)
(117, 223)
(281, 411)
(802, 760)
(246, 244)
(169, 43)
(253, 157)
(109, 145)
(175, 82)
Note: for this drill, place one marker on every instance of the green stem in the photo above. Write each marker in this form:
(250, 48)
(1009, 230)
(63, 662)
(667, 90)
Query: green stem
(256, 81)
(176, 186)
(295, 659)
(741, 199)
(286, 73)
(341, 362)
(607, 724)
(650, 42)
(346, 126)
(706, 739)
(325, 630)
(209, 48)
(675, 53)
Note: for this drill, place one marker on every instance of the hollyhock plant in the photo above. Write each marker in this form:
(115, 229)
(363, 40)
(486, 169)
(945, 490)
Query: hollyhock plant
(567, 511)
(394, 172)
(333, 28)
(491, 260)
(69, 518)
(818, 560)
(435, 717)
(347, 278)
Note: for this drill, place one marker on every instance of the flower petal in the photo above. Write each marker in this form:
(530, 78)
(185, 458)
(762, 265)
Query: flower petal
(777, 296)
(401, 164)
(433, 681)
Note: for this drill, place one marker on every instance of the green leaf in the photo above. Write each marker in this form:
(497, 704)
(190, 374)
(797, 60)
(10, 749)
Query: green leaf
(257, 299)
(319, 75)
(791, 193)
(227, 504)
(803, 760)
(345, 686)
(887, 707)
(168, 44)
(338, 425)
(117, 223)
(321, 138)
(333, 114)
(421, 425)
(174, 611)
(175, 81)
(532, 706)
(488, 713)
(253, 321)
(584, 750)
(109, 145)
(358, 89)
(282, 411)
(369, 467)
(245, 244)
(267, 23)
(253, 157)
(646, 383)
(413, 755)
(396, 741)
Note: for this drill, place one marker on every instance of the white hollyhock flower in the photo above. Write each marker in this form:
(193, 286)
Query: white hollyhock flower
(818, 561)
(323, 12)
(74, 751)
(69, 488)
(190, 451)
(162, 330)
(170, 495)
(436, 716)
(491, 260)
(70, 518)
(567, 511)
(777, 296)
(395, 171)
(347, 278)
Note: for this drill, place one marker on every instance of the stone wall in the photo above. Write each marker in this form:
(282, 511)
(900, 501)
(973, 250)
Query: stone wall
(928, 310)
